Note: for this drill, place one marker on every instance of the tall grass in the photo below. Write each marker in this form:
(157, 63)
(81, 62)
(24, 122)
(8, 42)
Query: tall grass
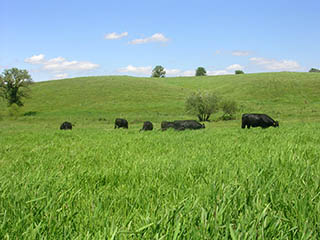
(222, 182)
(216, 183)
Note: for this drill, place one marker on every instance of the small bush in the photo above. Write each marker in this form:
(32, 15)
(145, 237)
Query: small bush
(202, 104)
(229, 108)
(239, 72)
(314, 70)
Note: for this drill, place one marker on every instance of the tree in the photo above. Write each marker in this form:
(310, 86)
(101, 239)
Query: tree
(314, 70)
(202, 104)
(14, 85)
(158, 71)
(239, 72)
(229, 108)
(201, 71)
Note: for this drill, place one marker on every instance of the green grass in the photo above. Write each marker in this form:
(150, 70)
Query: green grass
(285, 96)
(222, 182)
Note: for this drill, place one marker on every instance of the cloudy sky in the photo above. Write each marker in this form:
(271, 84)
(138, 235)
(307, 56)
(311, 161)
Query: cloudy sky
(60, 39)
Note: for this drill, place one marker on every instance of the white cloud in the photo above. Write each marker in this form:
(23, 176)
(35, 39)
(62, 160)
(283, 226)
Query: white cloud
(69, 65)
(240, 53)
(179, 72)
(60, 64)
(218, 72)
(235, 67)
(55, 60)
(228, 70)
(272, 64)
(114, 35)
(188, 73)
(35, 59)
(157, 37)
(136, 70)
(172, 71)
(61, 75)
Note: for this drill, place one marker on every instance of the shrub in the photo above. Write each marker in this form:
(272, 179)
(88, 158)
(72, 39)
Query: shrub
(239, 72)
(229, 108)
(314, 70)
(202, 104)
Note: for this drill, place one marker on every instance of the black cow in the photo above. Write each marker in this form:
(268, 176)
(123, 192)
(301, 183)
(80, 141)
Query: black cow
(165, 125)
(147, 126)
(187, 124)
(121, 123)
(258, 120)
(66, 126)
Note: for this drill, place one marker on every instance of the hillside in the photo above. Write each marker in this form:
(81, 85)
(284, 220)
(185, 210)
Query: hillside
(221, 182)
(285, 96)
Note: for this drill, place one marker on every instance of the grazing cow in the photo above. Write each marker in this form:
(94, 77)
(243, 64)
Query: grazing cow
(66, 126)
(187, 124)
(258, 120)
(165, 125)
(147, 126)
(121, 123)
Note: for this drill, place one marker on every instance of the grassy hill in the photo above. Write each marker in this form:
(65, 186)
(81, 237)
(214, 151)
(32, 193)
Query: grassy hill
(284, 96)
(221, 182)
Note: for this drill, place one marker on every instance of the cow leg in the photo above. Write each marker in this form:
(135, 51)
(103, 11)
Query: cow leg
(243, 125)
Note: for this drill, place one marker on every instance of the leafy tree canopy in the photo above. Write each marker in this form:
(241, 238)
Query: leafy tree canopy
(202, 104)
(201, 71)
(14, 86)
(158, 71)
(314, 70)
(239, 72)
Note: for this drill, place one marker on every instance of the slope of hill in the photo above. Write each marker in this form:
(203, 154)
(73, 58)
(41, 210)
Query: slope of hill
(221, 182)
(285, 96)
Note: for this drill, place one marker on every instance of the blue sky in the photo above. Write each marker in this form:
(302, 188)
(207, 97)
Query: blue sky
(58, 39)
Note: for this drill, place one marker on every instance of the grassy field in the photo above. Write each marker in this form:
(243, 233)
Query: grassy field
(222, 182)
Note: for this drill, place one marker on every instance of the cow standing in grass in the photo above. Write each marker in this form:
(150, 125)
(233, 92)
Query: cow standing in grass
(66, 126)
(147, 126)
(121, 123)
(258, 120)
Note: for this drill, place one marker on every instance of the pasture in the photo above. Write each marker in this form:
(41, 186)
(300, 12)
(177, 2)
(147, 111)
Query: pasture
(221, 182)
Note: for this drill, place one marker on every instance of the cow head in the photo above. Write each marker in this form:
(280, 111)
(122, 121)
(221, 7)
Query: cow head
(276, 124)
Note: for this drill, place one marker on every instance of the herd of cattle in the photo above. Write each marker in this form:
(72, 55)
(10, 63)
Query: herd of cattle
(248, 120)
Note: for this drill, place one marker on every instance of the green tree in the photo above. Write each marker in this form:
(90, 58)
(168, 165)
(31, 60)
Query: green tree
(14, 86)
(201, 71)
(229, 108)
(202, 104)
(158, 71)
(314, 70)
(239, 72)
